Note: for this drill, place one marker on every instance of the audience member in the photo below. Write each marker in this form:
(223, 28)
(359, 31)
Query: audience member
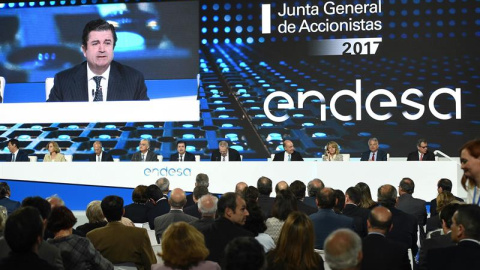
(137, 211)
(5, 200)
(225, 153)
(289, 154)
(200, 180)
(282, 185)
(466, 233)
(443, 199)
(182, 155)
(3, 218)
(255, 222)
(339, 201)
(232, 212)
(284, 204)
(374, 154)
(379, 252)
(295, 246)
(23, 234)
(443, 184)
(298, 189)
(119, 243)
(359, 215)
(54, 154)
(183, 247)
(313, 188)
(405, 226)
(144, 153)
(177, 201)
(192, 210)
(17, 155)
(157, 200)
(244, 253)
(343, 250)
(410, 205)
(240, 188)
(95, 218)
(207, 205)
(422, 153)
(470, 164)
(99, 155)
(332, 152)
(366, 201)
(264, 185)
(77, 252)
(325, 220)
(55, 201)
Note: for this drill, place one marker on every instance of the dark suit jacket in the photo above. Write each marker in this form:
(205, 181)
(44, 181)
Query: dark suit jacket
(190, 201)
(432, 243)
(296, 156)
(105, 157)
(233, 155)
(413, 156)
(46, 251)
(307, 209)
(381, 253)
(124, 83)
(151, 156)
(266, 204)
(137, 212)
(462, 256)
(11, 205)
(163, 221)
(310, 201)
(162, 207)
(186, 157)
(192, 210)
(381, 155)
(326, 221)
(404, 231)
(433, 205)
(360, 216)
(202, 224)
(21, 157)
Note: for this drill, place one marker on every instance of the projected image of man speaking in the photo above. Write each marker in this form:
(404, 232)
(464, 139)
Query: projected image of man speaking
(99, 78)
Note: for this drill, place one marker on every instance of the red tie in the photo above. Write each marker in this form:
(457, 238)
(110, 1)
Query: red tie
(421, 157)
(373, 156)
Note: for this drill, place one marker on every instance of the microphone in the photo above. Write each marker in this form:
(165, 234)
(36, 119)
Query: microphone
(93, 93)
(439, 153)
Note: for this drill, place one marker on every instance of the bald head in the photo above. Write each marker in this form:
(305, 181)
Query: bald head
(343, 249)
(379, 220)
(240, 187)
(177, 198)
(288, 146)
(387, 196)
(282, 185)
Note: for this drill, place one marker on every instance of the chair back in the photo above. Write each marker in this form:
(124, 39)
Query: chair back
(2, 88)
(48, 87)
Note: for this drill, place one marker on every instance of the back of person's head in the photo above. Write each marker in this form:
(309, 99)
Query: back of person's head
(61, 218)
(4, 190)
(343, 249)
(251, 194)
(326, 198)
(164, 184)
(240, 188)
(98, 25)
(177, 198)
(40, 203)
(366, 201)
(468, 216)
(153, 192)
(443, 199)
(112, 208)
(228, 200)
(183, 246)
(24, 229)
(55, 201)
(407, 185)
(282, 185)
(447, 213)
(207, 205)
(445, 184)
(264, 185)
(199, 191)
(339, 200)
(202, 180)
(380, 218)
(284, 204)
(354, 194)
(94, 212)
(255, 221)
(298, 188)
(244, 253)
(387, 195)
(138, 194)
(314, 187)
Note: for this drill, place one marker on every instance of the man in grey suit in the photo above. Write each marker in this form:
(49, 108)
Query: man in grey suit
(177, 201)
(410, 205)
(99, 78)
(144, 154)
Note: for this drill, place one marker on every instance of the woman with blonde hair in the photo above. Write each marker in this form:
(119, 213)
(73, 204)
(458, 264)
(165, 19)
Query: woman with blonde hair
(470, 164)
(332, 152)
(183, 247)
(295, 246)
(366, 201)
(54, 154)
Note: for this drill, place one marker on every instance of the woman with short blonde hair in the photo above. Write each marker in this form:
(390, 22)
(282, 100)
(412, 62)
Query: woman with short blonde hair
(332, 152)
(54, 154)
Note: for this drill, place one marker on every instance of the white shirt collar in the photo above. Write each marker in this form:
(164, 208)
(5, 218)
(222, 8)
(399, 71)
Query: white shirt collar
(92, 84)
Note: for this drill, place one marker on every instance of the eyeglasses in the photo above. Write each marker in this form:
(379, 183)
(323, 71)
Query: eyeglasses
(423, 147)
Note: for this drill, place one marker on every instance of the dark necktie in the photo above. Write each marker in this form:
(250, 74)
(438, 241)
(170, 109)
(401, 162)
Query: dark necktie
(143, 157)
(98, 92)
(181, 158)
(373, 156)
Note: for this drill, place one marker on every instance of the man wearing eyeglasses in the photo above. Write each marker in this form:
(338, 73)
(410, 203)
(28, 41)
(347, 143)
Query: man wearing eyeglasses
(422, 153)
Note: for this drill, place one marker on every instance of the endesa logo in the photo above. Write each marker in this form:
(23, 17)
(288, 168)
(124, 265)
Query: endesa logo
(167, 171)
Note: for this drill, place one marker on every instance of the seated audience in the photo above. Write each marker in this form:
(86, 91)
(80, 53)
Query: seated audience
(192, 210)
(351, 209)
(200, 180)
(281, 185)
(207, 206)
(410, 205)
(54, 154)
(77, 252)
(298, 188)
(183, 247)
(240, 188)
(443, 184)
(339, 201)
(55, 201)
(119, 243)
(23, 234)
(295, 249)
(255, 222)
(343, 250)
(332, 152)
(284, 204)
(157, 200)
(5, 200)
(137, 211)
(366, 201)
(95, 218)
(264, 186)
(244, 253)
(313, 188)
(443, 199)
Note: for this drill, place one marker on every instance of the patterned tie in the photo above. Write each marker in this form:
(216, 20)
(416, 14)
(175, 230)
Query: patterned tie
(223, 158)
(143, 157)
(373, 156)
(421, 157)
(98, 92)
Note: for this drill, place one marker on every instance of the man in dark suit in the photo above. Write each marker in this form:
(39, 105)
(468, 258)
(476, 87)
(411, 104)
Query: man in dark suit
(182, 154)
(326, 220)
(99, 155)
(157, 200)
(405, 226)
(232, 212)
(410, 205)
(99, 78)
(298, 189)
(378, 251)
(5, 200)
(422, 153)
(17, 154)
(192, 210)
(353, 196)
(207, 205)
(313, 187)
(200, 180)
(443, 184)
(289, 154)
(119, 243)
(144, 154)
(374, 154)
(466, 232)
(224, 153)
(265, 186)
